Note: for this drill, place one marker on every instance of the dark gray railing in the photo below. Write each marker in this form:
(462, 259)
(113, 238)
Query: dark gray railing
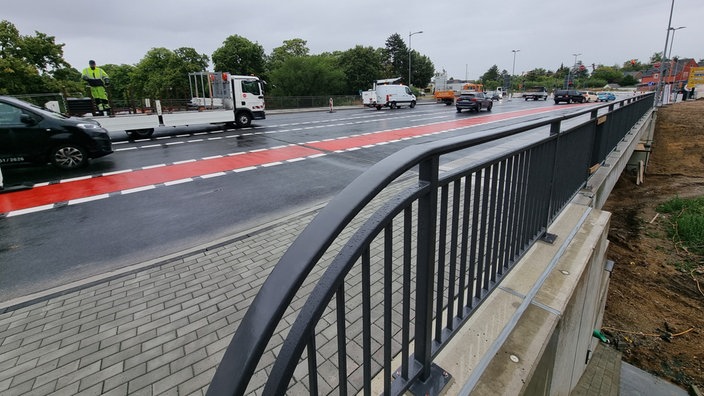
(421, 263)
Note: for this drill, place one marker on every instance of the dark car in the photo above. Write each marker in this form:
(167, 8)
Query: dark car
(473, 101)
(569, 96)
(32, 134)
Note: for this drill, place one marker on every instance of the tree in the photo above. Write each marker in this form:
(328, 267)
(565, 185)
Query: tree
(422, 71)
(395, 61)
(238, 55)
(491, 75)
(163, 73)
(27, 63)
(608, 74)
(308, 76)
(291, 48)
(362, 66)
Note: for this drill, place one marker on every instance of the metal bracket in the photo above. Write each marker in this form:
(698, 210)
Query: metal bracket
(438, 379)
(549, 238)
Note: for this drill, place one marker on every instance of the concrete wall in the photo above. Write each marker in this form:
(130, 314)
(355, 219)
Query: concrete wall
(533, 336)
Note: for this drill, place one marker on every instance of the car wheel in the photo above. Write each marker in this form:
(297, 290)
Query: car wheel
(526, 99)
(459, 110)
(141, 133)
(243, 120)
(488, 108)
(557, 102)
(413, 103)
(69, 156)
(393, 105)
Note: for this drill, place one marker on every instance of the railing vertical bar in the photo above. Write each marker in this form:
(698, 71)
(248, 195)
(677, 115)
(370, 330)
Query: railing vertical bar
(312, 364)
(510, 209)
(492, 225)
(406, 303)
(483, 271)
(474, 291)
(497, 255)
(521, 227)
(388, 304)
(464, 252)
(442, 241)
(366, 322)
(425, 265)
(341, 338)
(452, 279)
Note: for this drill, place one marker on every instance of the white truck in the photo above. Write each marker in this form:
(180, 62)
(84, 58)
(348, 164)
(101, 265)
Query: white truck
(386, 94)
(536, 93)
(241, 98)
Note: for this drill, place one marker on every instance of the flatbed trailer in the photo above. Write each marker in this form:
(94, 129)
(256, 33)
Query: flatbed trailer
(242, 98)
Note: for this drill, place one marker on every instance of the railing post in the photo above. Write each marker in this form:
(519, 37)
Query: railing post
(432, 378)
(554, 130)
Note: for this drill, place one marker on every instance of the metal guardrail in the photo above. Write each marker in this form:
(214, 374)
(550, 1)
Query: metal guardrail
(421, 263)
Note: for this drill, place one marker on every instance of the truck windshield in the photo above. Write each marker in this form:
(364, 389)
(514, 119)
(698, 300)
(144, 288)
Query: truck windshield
(251, 86)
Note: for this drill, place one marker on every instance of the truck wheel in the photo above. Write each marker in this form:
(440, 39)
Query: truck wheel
(447, 102)
(378, 107)
(413, 104)
(243, 120)
(140, 133)
(393, 105)
(69, 156)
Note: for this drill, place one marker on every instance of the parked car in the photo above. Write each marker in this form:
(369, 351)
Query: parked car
(569, 96)
(605, 96)
(471, 100)
(32, 134)
(590, 96)
(493, 95)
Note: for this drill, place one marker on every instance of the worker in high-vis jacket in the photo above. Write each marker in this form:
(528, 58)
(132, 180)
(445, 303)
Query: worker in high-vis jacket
(98, 80)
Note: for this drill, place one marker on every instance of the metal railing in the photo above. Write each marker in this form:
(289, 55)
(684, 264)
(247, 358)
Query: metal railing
(418, 264)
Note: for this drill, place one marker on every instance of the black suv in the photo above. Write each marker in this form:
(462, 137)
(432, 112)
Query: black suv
(30, 133)
(569, 96)
(473, 101)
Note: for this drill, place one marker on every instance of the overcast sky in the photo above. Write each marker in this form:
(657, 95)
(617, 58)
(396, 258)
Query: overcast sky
(463, 37)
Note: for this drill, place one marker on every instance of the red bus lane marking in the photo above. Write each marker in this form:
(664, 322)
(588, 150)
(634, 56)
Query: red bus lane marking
(346, 143)
(62, 192)
(47, 195)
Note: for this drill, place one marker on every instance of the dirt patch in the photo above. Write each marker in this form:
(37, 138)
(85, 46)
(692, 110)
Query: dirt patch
(655, 306)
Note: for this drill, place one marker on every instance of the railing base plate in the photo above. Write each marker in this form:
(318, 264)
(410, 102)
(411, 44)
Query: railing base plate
(437, 381)
(549, 238)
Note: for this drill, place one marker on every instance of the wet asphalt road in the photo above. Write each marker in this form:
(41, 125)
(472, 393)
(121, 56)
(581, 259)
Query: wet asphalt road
(52, 247)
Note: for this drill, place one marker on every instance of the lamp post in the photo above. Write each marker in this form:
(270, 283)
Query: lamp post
(409, 54)
(513, 72)
(669, 56)
(573, 68)
(659, 89)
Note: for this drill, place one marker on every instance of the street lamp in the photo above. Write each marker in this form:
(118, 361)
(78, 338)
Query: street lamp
(574, 67)
(409, 54)
(669, 56)
(659, 89)
(513, 72)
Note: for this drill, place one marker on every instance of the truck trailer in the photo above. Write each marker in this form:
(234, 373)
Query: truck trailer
(240, 99)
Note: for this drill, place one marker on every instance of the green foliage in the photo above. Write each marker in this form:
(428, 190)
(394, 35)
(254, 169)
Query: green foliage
(361, 66)
(687, 224)
(307, 76)
(395, 60)
(162, 73)
(29, 64)
(238, 55)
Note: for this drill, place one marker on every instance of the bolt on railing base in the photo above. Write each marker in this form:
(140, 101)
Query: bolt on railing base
(437, 381)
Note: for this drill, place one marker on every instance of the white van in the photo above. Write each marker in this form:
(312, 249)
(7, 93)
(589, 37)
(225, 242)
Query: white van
(391, 96)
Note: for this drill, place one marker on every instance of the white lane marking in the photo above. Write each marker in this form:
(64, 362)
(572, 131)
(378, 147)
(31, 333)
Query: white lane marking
(138, 189)
(179, 181)
(88, 199)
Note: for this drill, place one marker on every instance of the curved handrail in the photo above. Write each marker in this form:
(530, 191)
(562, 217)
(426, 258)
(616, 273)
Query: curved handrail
(268, 307)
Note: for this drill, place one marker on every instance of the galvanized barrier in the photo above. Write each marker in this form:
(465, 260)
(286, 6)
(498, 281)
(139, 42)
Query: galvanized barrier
(418, 265)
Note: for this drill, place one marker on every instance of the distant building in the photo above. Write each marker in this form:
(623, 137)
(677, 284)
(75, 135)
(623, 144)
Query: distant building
(673, 72)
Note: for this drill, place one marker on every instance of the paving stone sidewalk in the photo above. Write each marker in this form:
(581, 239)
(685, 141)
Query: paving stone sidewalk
(161, 330)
